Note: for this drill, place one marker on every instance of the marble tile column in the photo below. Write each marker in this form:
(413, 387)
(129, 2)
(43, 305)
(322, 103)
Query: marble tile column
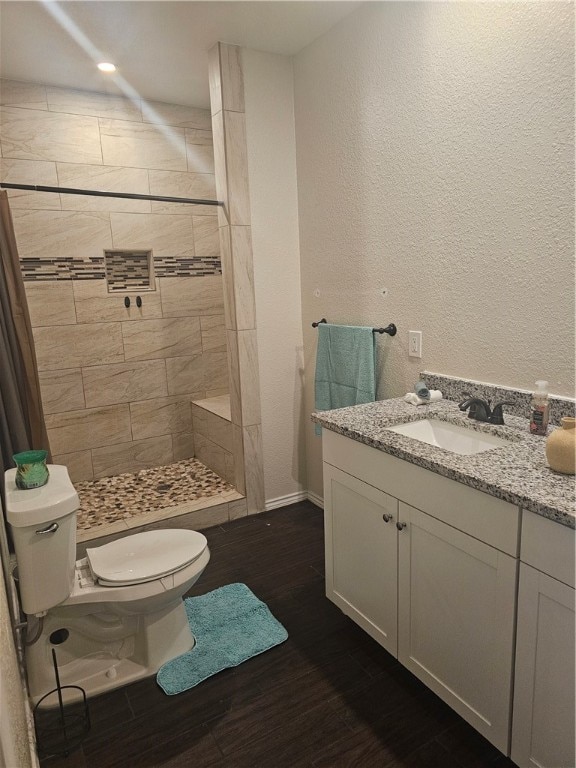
(231, 169)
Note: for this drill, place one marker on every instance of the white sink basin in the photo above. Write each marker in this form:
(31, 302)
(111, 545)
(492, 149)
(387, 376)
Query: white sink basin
(449, 436)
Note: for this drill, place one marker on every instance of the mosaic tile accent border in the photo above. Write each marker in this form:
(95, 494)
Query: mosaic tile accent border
(132, 495)
(67, 268)
(194, 266)
(94, 268)
(457, 389)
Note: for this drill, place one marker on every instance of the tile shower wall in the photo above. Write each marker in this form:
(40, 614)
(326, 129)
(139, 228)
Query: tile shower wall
(227, 102)
(117, 382)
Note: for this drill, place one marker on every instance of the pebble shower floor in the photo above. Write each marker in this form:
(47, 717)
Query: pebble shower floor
(120, 497)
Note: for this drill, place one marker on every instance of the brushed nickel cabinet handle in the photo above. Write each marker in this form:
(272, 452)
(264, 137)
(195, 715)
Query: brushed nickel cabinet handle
(400, 526)
(386, 518)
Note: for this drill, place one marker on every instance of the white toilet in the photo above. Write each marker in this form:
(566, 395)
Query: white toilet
(113, 617)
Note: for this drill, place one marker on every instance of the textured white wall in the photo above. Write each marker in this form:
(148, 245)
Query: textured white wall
(435, 158)
(274, 203)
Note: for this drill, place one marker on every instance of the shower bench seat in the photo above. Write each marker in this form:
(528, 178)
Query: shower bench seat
(213, 436)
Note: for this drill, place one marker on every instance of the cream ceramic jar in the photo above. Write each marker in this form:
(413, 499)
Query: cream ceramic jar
(561, 447)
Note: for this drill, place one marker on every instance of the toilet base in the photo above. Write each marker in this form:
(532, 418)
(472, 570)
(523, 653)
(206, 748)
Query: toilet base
(103, 651)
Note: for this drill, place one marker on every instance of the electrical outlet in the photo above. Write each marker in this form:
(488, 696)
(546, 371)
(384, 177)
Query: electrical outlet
(415, 343)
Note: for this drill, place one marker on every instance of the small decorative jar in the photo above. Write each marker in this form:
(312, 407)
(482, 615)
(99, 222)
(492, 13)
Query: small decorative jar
(561, 447)
(31, 469)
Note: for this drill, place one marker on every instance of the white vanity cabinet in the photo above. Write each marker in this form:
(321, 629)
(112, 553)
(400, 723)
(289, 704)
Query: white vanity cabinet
(435, 584)
(543, 717)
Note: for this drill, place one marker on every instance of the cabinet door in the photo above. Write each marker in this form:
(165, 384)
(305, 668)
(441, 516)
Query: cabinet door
(456, 601)
(362, 554)
(543, 719)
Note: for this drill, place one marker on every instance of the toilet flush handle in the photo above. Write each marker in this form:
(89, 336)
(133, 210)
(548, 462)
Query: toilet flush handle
(50, 529)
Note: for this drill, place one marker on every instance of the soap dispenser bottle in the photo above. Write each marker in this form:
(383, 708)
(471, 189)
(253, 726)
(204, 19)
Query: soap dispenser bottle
(539, 409)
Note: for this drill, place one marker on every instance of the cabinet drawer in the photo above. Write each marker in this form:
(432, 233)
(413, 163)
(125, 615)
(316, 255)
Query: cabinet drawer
(548, 547)
(483, 516)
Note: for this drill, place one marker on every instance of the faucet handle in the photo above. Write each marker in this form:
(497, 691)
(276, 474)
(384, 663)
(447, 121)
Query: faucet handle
(497, 414)
(464, 404)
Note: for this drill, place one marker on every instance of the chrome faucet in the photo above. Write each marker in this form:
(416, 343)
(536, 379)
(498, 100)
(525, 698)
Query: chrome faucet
(481, 411)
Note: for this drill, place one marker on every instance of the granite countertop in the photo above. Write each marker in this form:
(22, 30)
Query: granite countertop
(517, 472)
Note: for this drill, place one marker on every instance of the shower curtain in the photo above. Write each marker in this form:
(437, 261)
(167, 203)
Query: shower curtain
(22, 424)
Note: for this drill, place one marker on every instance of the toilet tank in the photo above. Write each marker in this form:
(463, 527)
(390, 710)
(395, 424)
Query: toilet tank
(43, 525)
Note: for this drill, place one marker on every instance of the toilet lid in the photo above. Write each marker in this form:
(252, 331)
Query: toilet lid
(145, 556)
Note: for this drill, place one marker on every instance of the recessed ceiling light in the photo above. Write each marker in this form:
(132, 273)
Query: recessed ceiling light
(105, 66)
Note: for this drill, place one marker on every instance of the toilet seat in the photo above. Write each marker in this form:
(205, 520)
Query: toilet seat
(144, 557)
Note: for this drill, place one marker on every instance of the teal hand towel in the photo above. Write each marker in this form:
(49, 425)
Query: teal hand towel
(345, 367)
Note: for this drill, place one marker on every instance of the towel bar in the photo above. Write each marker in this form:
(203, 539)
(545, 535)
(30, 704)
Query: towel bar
(391, 329)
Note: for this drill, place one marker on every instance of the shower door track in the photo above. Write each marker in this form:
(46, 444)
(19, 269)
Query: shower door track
(97, 193)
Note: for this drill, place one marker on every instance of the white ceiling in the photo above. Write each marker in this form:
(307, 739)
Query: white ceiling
(160, 47)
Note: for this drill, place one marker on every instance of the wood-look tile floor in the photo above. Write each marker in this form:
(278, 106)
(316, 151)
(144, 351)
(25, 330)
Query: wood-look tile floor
(327, 697)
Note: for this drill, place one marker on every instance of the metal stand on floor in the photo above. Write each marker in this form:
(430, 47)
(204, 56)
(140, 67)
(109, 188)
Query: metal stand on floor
(59, 729)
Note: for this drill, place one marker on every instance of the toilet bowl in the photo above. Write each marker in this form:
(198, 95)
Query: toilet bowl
(112, 617)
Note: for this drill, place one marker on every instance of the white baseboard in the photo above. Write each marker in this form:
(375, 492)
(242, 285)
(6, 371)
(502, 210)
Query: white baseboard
(294, 498)
(284, 501)
(315, 499)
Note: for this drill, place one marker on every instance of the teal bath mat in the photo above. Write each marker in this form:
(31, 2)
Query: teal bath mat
(230, 625)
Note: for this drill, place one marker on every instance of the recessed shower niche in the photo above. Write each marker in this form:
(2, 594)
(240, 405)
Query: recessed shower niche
(129, 270)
